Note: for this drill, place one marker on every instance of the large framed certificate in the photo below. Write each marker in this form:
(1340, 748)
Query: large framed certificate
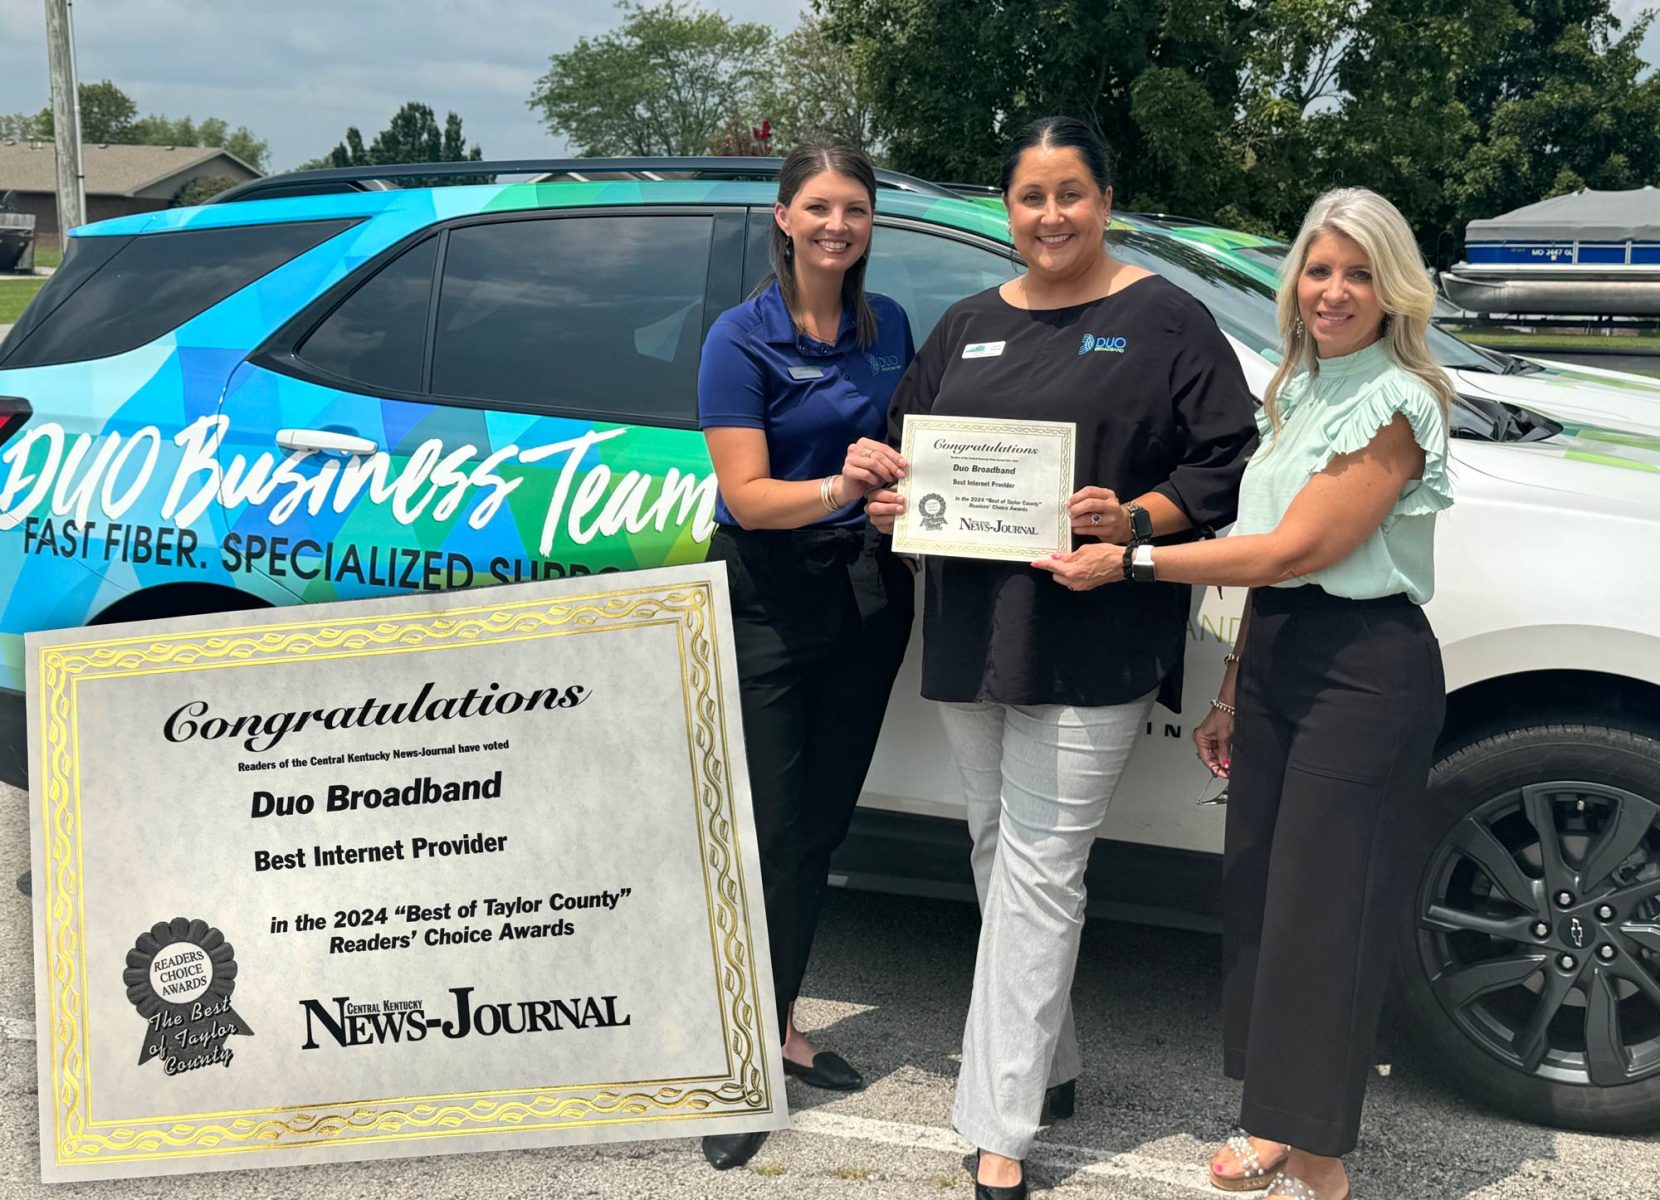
(428, 874)
(986, 488)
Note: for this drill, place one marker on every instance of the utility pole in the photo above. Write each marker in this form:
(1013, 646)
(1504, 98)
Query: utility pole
(66, 117)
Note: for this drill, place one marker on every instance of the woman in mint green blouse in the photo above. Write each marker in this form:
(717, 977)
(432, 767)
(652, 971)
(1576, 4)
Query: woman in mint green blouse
(1333, 697)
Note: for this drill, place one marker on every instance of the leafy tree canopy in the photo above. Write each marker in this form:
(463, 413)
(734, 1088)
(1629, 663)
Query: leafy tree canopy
(110, 116)
(671, 79)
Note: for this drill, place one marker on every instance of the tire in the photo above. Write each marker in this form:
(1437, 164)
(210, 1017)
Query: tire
(1513, 974)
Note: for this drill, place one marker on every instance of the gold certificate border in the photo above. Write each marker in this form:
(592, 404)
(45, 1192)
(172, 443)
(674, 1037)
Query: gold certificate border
(746, 1087)
(909, 541)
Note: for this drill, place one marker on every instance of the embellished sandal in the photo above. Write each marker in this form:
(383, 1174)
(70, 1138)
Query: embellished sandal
(1288, 1187)
(1254, 1173)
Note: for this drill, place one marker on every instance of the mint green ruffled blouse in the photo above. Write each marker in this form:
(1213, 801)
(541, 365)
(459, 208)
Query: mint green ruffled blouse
(1338, 410)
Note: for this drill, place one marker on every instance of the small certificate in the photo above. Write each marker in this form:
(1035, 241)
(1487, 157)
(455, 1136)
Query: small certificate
(984, 487)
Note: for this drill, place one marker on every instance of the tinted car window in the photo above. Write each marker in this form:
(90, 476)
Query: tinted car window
(587, 314)
(156, 282)
(378, 335)
(927, 273)
(1242, 306)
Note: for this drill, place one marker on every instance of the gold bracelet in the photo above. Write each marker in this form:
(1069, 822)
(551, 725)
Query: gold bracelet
(827, 493)
(1224, 706)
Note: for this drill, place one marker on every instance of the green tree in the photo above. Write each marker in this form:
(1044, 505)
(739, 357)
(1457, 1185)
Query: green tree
(107, 114)
(668, 80)
(956, 78)
(110, 116)
(817, 84)
(202, 189)
(413, 136)
(160, 130)
(21, 127)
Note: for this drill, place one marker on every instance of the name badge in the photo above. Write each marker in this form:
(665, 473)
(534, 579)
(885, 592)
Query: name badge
(983, 350)
(806, 372)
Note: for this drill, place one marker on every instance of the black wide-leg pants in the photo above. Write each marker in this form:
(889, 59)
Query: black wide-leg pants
(820, 622)
(1339, 706)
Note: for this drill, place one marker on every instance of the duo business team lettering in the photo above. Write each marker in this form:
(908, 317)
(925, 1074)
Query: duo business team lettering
(260, 733)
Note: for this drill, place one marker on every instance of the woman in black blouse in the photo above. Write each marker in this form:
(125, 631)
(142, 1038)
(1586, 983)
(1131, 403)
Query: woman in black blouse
(1045, 690)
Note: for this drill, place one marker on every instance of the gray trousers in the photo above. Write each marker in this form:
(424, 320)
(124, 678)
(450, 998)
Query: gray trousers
(1037, 781)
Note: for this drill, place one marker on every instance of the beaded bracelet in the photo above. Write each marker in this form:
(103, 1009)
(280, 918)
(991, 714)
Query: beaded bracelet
(1224, 706)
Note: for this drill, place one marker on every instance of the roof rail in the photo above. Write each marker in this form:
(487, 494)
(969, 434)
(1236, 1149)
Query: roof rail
(376, 178)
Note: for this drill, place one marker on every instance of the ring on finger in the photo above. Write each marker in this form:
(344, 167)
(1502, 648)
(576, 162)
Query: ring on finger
(1094, 518)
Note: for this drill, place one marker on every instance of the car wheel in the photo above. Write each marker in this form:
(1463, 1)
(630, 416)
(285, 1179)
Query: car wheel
(1530, 954)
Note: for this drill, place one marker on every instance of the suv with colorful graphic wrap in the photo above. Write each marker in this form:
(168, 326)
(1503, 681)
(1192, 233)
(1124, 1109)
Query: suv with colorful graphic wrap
(346, 390)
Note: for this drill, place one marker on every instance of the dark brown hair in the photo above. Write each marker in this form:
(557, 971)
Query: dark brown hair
(1060, 132)
(815, 155)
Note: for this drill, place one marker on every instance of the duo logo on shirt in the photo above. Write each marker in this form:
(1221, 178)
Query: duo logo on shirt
(883, 362)
(1113, 345)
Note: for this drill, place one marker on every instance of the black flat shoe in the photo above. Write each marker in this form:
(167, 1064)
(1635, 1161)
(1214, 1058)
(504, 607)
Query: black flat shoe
(1061, 1101)
(727, 1150)
(986, 1191)
(829, 1071)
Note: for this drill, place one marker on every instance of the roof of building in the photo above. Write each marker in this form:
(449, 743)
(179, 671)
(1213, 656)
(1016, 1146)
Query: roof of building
(1583, 216)
(110, 170)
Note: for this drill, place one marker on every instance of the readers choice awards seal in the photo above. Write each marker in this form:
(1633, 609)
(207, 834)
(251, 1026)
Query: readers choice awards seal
(179, 976)
(931, 508)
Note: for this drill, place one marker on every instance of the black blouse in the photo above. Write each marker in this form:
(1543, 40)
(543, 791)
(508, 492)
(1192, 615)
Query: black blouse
(1161, 405)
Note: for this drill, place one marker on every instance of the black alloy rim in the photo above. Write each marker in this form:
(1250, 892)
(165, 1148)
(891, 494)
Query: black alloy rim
(1539, 931)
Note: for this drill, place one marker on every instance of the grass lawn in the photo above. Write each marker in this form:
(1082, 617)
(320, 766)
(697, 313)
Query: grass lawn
(47, 258)
(15, 295)
(1568, 343)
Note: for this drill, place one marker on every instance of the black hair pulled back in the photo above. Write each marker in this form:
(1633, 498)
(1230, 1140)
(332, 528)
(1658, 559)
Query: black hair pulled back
(1057, 132)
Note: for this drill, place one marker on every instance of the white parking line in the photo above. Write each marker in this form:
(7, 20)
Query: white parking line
(1083, 1159)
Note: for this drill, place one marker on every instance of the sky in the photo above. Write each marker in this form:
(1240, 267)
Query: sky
(299, 72)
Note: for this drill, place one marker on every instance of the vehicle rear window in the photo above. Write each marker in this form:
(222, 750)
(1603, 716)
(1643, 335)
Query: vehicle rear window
(151, 284)
(593, 315)
(378, 334)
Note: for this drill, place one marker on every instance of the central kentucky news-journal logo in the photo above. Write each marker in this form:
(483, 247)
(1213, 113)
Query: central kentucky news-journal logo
(180, 975)
(371, 1023)
(1112, 345)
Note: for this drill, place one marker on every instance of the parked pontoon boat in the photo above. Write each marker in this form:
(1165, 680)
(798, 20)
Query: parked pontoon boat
(1584, 254)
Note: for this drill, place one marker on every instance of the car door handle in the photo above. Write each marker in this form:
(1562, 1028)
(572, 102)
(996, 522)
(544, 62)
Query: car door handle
(328, 441)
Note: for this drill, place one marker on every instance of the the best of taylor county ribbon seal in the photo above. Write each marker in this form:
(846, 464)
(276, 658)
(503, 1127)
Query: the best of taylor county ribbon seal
(180, 975)
(931, 508)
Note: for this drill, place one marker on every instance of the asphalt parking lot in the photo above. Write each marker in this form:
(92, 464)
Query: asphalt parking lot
(888, 988)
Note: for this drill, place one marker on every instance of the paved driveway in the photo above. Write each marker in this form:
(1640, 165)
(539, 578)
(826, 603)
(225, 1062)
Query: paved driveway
(888, 988)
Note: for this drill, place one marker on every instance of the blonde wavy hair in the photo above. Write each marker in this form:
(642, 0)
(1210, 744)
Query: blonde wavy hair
(1398, 276)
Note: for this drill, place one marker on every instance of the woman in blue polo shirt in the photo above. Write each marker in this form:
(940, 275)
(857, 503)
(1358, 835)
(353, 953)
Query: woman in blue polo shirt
(793, 396)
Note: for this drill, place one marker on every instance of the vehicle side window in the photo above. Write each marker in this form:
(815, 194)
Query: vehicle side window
(600, 314)
(927, 273)
(155, 283)
(378, 335)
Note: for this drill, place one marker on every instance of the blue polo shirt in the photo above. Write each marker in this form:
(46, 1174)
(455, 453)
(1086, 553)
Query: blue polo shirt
(810, 398)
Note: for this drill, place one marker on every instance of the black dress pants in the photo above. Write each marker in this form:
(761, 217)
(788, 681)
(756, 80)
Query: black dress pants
(1339, 706)
(820, 620)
